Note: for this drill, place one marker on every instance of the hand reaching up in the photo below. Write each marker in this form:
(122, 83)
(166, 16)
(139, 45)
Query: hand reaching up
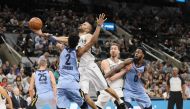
(101, 19)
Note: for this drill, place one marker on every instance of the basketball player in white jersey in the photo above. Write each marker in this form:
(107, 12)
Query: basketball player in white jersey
(45, 84)
(3, 97)
(89, 70)
(116, 81)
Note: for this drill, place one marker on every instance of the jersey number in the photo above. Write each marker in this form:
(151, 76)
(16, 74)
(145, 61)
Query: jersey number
(43, 77)
(68, 56)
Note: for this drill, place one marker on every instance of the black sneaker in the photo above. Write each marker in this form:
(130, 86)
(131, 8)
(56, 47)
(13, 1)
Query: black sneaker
(122, 106)
(98, 107)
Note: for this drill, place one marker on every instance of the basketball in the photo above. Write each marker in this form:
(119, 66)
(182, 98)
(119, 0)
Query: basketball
(35, 23)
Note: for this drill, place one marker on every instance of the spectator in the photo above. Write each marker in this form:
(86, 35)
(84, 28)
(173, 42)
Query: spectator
(4, 82)
(9, 89)
(17, 99)
(11, 76)
(13, 21)
(7, 67)
(0, 62)
(1, 74)
(19, 84)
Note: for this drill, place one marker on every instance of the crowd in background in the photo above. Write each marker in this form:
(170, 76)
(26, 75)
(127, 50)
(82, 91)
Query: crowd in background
(145, 25)
(157, 26)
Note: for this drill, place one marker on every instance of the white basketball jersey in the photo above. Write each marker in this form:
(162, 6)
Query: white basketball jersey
(87, 57)
(119, 82)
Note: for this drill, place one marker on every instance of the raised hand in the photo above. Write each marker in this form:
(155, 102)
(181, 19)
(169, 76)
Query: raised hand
(101, 19)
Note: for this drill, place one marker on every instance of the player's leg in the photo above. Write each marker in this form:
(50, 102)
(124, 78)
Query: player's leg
(51, 100)
(128, 99)
(102, 99)
(113, 94)
(100, 82)
(62, 100)
(144, 101)
(41, 101)
(90, 101)
(85, 78)
(74, 95)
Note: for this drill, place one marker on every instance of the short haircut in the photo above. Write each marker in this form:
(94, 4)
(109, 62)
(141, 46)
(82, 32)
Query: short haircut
(42, 62)
(73, 40)
(114, 43)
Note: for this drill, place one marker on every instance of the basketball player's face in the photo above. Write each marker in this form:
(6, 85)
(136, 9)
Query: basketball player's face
(138, 54)
(84, 26)
(114, 51)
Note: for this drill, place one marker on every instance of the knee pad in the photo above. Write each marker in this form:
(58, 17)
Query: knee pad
(148, 107)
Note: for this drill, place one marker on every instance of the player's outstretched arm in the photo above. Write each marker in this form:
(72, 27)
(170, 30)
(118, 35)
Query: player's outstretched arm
(95, 36)
(4, 93)
(118, 68)
(61, 39)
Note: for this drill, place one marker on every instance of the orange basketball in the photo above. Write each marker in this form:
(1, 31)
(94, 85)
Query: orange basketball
(35, 23)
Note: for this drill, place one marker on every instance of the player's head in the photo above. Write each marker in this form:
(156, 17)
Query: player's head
(139, 54)
(175, 71)
(42, 63)
(85, 27)
(73, 40)
(114, 50)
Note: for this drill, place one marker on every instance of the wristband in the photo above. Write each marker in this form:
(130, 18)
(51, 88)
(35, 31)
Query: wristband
(99, 25)
(53, 39)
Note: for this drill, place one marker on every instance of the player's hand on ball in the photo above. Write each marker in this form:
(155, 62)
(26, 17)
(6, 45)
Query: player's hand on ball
(101, 19)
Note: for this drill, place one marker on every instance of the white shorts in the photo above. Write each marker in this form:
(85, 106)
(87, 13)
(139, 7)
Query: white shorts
(104, 97)
(92, 73)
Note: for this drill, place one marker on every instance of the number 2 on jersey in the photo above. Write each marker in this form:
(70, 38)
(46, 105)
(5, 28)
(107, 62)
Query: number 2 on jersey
(68, 56)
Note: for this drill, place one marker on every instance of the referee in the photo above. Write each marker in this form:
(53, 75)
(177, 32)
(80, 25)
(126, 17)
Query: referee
(176, 90)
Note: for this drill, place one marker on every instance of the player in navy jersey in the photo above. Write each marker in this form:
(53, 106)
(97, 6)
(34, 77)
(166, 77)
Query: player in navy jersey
(133, 88)
(44, 82)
